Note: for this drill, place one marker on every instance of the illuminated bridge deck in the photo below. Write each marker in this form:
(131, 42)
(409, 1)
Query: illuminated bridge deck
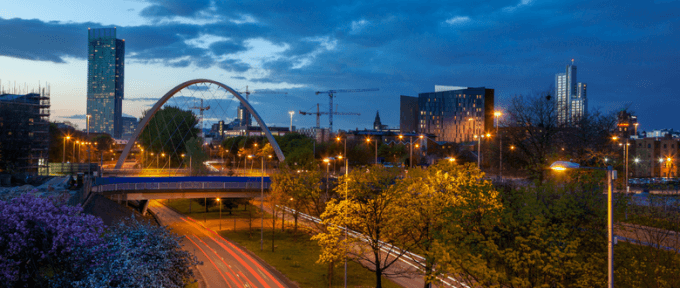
(144, 188)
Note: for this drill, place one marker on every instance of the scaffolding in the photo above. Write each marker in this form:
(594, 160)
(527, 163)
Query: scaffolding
(26, 128)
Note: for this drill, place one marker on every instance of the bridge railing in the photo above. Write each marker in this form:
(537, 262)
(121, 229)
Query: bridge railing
(184, 185)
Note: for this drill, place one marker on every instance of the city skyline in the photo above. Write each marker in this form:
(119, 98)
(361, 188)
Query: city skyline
(365, 45)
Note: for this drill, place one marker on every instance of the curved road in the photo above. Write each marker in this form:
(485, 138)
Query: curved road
(224, 264)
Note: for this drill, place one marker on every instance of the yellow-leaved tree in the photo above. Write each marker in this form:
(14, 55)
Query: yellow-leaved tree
(370, 209)
(431, 203)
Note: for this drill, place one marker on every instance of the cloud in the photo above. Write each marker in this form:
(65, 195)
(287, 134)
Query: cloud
(169, 8)
(457, 20)
(75, 116)
(233, 65)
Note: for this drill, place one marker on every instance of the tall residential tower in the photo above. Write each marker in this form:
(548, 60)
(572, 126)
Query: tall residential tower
(572, 103)
(105, 77)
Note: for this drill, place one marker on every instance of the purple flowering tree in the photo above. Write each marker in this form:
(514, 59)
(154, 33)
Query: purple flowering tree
(48, 245)
(39, 239)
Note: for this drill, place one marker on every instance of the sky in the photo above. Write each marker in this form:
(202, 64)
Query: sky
(626, 51)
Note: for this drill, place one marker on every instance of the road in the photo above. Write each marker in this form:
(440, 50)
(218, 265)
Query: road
(224, 264)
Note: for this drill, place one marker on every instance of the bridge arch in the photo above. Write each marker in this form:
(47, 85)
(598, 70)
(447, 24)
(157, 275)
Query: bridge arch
(171, 93)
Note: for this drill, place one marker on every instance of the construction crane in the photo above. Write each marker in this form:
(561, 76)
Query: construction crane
(246, 114)
(318, 123)
(201, 108)
(330, 106)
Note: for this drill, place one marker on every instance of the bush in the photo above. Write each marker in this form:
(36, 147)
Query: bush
(45, 245)
(39, 239)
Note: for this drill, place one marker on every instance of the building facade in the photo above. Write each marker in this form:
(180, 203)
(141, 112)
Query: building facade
(105, 78)
(129, 126)
(24, 132)
(571, 97)
(408, 114)
(456, 115)
(626, 125)
(655, 157)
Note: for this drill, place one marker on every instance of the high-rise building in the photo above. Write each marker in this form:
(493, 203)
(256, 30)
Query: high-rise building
(408, 114)
(572, 102)
(105, 77)
(456, 115)
(129, 126)
(243, 116)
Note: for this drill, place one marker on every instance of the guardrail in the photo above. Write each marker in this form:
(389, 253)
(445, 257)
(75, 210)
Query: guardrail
(179, 186)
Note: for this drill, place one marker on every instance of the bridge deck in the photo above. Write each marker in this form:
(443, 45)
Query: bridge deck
(140, 188)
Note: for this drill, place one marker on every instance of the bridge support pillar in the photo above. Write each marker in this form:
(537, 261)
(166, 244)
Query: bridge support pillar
(143, 206)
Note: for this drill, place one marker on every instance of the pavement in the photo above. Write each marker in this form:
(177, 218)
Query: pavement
(224, 263)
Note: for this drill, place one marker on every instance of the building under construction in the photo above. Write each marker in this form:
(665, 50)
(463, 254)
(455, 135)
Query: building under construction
(24, 131)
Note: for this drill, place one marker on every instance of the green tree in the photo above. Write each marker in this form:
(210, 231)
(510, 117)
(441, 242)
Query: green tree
(168, 131)
(445, 196)
(196, 155)
(370, 209)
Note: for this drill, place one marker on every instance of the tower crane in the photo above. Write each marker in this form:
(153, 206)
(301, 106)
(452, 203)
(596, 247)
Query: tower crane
(201, 108)
(317, 113)
(330, 95)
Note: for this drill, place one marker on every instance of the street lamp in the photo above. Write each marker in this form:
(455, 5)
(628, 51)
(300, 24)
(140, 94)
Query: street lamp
(368, 140)
(479, 151)
(498, 114)
(611, 175)
(410, 159)
(346, 171)
(291, 120)
(218, 203)
(262, 206)
(63, 156)
(328, 164)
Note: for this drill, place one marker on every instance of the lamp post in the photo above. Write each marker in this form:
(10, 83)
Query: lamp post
(89, 148)
(73, 156)
(291, 120)
(611, 175)
(328, 164)
(479, 151)
(262, 207)
(220, 204)
(346, 171)
(498, 114)
(368, 140)
(63, 155)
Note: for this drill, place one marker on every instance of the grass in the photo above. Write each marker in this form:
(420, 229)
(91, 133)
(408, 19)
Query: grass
(295, 255)
(296, 258)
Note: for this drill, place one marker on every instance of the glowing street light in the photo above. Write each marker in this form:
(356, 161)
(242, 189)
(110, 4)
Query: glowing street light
(63, 156)
(611, 175)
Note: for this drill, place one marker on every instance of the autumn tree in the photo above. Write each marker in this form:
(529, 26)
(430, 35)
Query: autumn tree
(445, 197)
(333, 249)
(371, 210)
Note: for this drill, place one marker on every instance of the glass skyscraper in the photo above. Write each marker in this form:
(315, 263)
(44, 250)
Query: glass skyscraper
(571, 99)
(105, 77)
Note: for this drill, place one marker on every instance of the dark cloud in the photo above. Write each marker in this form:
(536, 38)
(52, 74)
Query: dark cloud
(75, 116)
(169, 8)
(233, 65)
(622, 49)
(226, 47)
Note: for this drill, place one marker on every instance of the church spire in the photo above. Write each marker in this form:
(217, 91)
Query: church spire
(377, 125)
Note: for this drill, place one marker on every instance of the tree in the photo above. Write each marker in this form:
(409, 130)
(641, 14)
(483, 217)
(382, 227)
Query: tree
(196, 156)
(443, 197)
(370, 209)
(333, 249)
(168, 131)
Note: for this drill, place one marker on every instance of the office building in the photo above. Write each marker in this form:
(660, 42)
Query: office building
(456, 115)
(408, 114)
(243, 116)
(105, 78)
(129, 126)
(24, 132)
(572, 101)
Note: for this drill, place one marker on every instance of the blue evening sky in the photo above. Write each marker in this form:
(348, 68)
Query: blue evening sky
(626, 51)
